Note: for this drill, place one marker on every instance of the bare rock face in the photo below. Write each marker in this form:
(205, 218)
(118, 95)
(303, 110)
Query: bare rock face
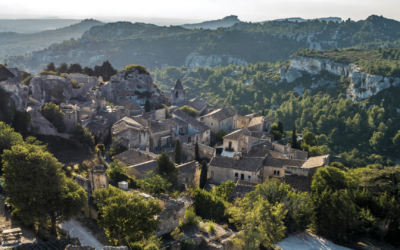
(11, 83)
(363, 85)
(212, 61)
(134, 85)
(51, 88)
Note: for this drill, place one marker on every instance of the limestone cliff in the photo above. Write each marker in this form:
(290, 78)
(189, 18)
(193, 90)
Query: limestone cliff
(363, 85)
(196, 60)
(11, 82)
(51, 88)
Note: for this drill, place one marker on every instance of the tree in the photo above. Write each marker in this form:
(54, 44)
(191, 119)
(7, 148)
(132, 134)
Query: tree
(208, 206)
(196, 152)
(51, 67)
(147, 107)
(88, 71)
(310, 139)
(221, 134)
(54, 114)
(260, 223)
(166, 168)
(117, 173)
(154, 184)
(262, 113)
(224, 190)
(62, 68)
(189, 110)
(396, 141)
(83, 135)
(376, 140)
(178, 153)
(126, 215)
(294, 138)
(74, 68)
(328, 177)
(203, 175)
(105, 70)
(38, 188)
(8, 138)
(280, 127)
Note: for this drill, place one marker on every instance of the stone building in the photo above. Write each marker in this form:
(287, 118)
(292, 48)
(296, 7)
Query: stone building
(142, 170)
(131, 133)
(178, 93)
(239, 141)
(98, 177)
(289, 152)
(100, 128)
(241, 189)
(130, 107)
(254, 122)
(134, 156)
(205, 152)
(196, 103)
(113, 114)
(194, 132)
(71, 116)
(189, 174)
(225, 118)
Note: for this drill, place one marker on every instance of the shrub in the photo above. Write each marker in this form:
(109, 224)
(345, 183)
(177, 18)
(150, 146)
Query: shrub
(203, 228)
(151, 247)
(177, 234)
(225, 226)
(188, 110)
(136, 246)
(28, 80)
(211, 227)
(208, 206)
(54, 114)
(43, 73)
(189, 244)
(140, 68)
(191, 217)
(217, 238)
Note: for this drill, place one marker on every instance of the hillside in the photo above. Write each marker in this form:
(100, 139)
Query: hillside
(124, 43)
(12, 43)
(34, 25)
(214, 24)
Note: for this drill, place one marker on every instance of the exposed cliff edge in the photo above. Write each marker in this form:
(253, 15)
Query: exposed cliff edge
(196, 60)
(11, 82)
(362, 86)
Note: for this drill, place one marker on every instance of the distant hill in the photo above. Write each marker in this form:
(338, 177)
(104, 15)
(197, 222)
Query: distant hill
(16, 43)
(34, 25)
(299, 19)
(215, 24)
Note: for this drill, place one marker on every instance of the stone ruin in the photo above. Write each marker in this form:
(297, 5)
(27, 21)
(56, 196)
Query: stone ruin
(173, 212)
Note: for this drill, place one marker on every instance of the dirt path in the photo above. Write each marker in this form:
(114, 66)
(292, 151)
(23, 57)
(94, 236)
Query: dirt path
(85, 236)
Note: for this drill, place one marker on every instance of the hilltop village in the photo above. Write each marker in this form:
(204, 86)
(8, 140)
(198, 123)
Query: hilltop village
(139, 123)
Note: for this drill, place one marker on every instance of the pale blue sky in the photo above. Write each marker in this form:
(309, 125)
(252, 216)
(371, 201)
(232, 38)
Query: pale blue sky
(193, 10)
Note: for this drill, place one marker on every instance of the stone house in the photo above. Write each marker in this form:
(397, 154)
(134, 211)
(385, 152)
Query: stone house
(241, 189)
(100, 128)
(71, 116)
(222, 168)
(189, 174)
(313, 163)
(254, 122)
(178, 93)
(113, 114)
(194, 132)
(205, 152)
(131, 133)
(225, 118)
(134, 156)
(279, 167)
(141, 170)
(196, 103)
(239, 141)
(98, 177)
(130, 107)
(289, 152)
(155, 115)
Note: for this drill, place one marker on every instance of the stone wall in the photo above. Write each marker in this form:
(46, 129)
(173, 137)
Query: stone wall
(134, 138)
(84, 183)
(219, 174)
(173, 212)
(243, 121)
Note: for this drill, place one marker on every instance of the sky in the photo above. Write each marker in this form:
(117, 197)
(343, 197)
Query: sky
(190, 11)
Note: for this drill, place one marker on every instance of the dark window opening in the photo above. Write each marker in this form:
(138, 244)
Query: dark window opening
(230, 145)
(242, 176)
(236, 175)
(177, 94)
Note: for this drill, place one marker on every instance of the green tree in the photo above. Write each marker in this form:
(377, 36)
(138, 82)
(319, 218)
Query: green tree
(38, 188)
(196, 152)
(88, 71)
(328, 177)
(83, 135)
(62, 68)
(208, 206)
(54, 114)
(126, 215)
(396, 141)
(310, 139)
(178, 153)
(106, 70)
(221, 134)
(189, 110)
(376, 140)
(74, 68)
(224, 190)
(203, 175)
(280, 127)
(147, 107)
(294, 138)
(260, 223)
(50, 67)
(8, 138)
(166, 168)
(154, 184)
(117, 173)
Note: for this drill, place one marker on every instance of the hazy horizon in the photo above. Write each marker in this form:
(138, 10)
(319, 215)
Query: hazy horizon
(180, 12)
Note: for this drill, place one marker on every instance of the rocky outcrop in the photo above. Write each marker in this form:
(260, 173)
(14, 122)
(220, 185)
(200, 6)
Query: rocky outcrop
(196, 60)
(40, 125)
(11, 83)
(363, 85)
(51, 88)
(135, 85)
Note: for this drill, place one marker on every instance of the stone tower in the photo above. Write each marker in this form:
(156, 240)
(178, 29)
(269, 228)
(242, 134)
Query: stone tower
(178, 93)
(98, 178)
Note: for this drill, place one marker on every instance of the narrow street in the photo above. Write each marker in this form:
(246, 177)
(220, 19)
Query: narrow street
(85, 237)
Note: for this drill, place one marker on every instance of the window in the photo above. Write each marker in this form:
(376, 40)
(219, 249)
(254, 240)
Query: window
(274, 172)
(176, 94)
(242, 176)
(230, 145)
(236, 175)
(249, 177)
(277, 172)
(189, 139)
(212, 124)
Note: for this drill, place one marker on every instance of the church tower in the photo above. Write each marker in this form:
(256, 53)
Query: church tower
(178, 93)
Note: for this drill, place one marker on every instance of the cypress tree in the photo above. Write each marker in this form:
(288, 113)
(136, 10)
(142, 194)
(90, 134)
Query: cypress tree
(262, 113)
(196, 152)
(147, 106)
(166, 168)
(178, 154)
(280, 127)
(294, 138)
(203, 175)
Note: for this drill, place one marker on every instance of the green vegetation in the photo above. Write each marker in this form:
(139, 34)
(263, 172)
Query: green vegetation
(191, 217)
(224, 190)
(203, 174)
(140, 68)
(54, 114)
(82, 135)
(208, 206)
(126, 216)
(154, 184)
(117, 173)
(166, 168)
(36, 185)
(117, 147)
(28, 80)
(189, 110)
